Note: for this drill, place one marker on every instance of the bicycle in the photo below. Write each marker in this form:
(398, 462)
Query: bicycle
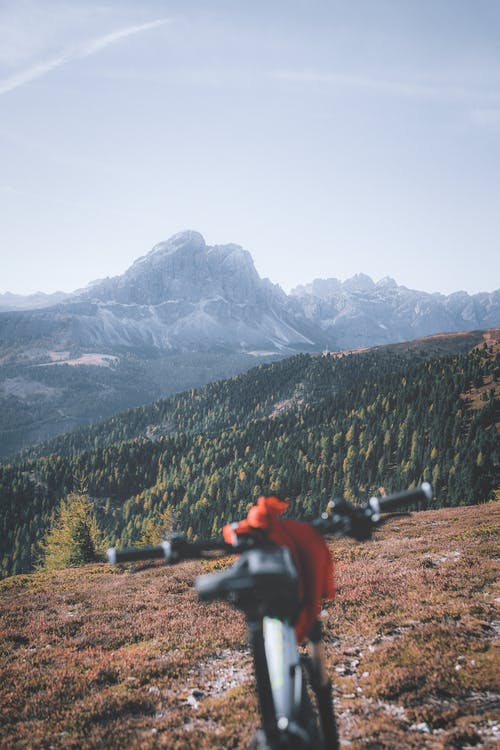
(263, 583)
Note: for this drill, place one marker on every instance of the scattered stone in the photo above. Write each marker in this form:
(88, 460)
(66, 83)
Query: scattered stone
(493, 728)
(421, 727)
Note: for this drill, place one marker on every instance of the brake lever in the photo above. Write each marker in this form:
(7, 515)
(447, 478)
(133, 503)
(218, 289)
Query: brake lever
(344, 519)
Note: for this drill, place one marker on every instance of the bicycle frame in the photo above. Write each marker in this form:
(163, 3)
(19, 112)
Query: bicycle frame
(263, 584)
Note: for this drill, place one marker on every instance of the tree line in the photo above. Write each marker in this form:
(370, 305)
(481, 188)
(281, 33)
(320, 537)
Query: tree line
(309, 426)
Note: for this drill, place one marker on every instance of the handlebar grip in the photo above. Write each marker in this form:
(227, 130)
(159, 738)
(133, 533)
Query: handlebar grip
(401, 499)
(133, 554)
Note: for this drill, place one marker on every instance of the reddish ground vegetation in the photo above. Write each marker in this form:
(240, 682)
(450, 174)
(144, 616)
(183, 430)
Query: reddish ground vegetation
(110, 657)
(478, 395)
(440, 342)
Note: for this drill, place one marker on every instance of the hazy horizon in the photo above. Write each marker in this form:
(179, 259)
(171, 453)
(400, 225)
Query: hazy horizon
(305, 282)
(326, 138)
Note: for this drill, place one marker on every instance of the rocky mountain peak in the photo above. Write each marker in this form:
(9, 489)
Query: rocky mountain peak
(360, 282)
(386, 283)
(183, 267)
(185, 295)
(321, 288)
(187, 241)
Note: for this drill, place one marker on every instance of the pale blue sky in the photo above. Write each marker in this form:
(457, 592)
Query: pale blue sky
(327, 138)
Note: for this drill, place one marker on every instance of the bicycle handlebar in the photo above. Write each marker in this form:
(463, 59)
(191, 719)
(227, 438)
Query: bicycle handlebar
(357, 521)
(172, 550)
(401, 499)
(134, 554)
(342, 519)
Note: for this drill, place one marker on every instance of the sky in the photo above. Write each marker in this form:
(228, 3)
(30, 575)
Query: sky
(326, 137)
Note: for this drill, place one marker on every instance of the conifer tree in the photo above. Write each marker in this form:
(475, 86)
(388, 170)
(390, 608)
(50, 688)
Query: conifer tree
(73, 539)
(158, 528)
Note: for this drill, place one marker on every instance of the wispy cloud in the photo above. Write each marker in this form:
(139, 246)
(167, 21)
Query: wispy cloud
(85, 49)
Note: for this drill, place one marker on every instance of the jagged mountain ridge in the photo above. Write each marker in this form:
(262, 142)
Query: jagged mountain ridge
(187, 296)
(187, 314)
(182, 296)
(360, 312)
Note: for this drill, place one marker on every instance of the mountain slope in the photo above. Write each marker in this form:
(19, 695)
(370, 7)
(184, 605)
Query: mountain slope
(100, 657)
(187, 296)
(311, 426)
(265, 391)
(55, 394)
(182, 296)
(359, 312)
(186, 314)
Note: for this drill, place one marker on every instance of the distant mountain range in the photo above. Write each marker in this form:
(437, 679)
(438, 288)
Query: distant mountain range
(9, 301)
(360, 312)
(186, 296)
(185, 314)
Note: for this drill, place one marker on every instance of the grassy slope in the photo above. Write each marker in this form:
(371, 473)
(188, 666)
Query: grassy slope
(105, 657)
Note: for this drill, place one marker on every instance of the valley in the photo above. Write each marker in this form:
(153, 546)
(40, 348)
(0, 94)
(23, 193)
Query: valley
(186, 314)
(310, 426)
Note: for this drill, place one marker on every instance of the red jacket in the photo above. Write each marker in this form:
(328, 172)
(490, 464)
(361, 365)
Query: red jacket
(312, 557)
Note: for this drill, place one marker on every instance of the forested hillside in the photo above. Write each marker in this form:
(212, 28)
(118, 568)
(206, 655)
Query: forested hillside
(311, 426)
(41, 397)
